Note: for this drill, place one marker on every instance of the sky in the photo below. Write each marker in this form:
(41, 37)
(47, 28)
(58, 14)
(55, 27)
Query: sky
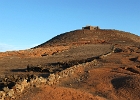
(28, 23)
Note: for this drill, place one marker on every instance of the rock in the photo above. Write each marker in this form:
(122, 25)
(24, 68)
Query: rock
(57, 77)
(42, 80)
(133, 59)
(15, 76)
(117, 50)
(24, 83)
(19, 88)
(11, 93)
(2, 95)
(6, 89)
(51, 77)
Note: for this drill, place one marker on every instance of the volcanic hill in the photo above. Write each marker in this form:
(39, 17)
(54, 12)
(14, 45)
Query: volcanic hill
(92, 36)
(84, 64)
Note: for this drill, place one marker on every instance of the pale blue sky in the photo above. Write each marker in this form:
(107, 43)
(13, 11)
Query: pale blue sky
(26, 23)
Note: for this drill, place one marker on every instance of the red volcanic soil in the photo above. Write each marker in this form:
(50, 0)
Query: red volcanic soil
(58, 93)
(114, 77)
(91, 65)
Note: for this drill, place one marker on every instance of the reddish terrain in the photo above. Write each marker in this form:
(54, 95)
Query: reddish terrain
(78, 65)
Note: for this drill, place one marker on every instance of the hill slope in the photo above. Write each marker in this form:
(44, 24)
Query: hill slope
(86, 36)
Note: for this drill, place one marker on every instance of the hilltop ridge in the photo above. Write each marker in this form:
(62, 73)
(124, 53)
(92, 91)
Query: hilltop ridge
(89, 35)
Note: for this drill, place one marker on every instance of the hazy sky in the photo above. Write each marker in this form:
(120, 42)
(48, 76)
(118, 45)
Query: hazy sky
(26, 23)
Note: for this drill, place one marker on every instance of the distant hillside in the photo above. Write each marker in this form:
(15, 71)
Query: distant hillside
(87, 36)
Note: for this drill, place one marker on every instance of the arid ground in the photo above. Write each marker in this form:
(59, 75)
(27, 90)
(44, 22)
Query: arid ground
(82, 64)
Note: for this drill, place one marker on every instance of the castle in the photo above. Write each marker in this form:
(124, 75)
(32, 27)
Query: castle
(91, 27)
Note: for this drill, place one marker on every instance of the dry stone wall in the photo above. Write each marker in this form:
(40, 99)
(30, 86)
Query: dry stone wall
(36, 81)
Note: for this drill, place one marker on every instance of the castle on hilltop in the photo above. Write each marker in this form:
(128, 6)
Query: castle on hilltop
(91, 27)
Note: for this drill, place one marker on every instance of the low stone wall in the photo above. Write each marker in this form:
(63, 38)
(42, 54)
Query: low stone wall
(10, 94)
(36, 81)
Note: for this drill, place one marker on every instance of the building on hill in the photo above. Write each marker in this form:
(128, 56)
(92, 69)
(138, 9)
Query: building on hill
(91, 27)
